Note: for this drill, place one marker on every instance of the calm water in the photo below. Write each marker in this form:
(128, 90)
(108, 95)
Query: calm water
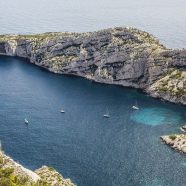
(124, 150)
(163, 18)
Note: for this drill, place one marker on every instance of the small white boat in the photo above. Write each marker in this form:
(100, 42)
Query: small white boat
(26, 121)
(135, 107)
(62, 111)
(183, 128)
(107, 115)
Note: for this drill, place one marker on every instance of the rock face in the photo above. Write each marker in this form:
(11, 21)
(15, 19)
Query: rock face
(120, 56)
(7, 162)
(21, 176)
(52, 177)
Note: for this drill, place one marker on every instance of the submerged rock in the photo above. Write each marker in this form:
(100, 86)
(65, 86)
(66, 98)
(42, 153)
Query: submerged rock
(120, 56)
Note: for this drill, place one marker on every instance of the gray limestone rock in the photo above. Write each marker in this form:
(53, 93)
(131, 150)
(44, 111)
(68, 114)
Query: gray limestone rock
(121, 56)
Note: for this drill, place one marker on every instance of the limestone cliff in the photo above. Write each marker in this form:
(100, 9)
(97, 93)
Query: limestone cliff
(14, 174)
(120, 56)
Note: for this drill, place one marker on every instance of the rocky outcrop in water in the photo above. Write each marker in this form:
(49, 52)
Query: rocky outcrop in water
(120, 56)
(176, 141)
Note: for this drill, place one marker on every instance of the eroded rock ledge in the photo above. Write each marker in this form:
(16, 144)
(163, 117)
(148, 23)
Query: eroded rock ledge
(120, 56)
(176, 141)
(12, 173)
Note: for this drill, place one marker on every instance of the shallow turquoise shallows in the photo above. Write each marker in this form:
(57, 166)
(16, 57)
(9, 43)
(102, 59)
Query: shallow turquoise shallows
(184, 164)
(124, 150)
(155, 116)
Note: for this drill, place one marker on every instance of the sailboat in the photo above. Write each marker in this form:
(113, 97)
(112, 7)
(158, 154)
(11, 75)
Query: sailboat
(62, 111)
(26, 121)
(106, 115)
(135, 107)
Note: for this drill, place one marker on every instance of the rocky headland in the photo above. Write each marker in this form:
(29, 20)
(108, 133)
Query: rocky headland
(176, 141)
(120, 56)
(14, 174)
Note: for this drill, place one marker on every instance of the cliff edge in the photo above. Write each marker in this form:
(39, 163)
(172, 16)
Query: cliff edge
(14, 174)
(120, 56)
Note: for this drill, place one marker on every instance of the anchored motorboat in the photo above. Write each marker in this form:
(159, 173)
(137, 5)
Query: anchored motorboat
(26, 121)
(62, 111)
(183, 128)
(135, 107)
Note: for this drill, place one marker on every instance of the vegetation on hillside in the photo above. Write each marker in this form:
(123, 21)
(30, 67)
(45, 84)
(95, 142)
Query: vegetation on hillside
(9, 178)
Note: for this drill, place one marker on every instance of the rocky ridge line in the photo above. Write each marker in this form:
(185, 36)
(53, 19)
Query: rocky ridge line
(120, 56)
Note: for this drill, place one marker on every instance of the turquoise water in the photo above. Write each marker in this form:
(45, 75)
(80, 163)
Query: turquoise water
(155, 182)
(184, 164)
(156, 116)
(124, 150)
(163, 18)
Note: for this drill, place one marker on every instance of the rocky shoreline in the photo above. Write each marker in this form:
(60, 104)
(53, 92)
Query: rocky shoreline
(176, 141)
(13, 173)
(119, 56)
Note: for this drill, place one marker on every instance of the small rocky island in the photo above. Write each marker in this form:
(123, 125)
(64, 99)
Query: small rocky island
(176, 141)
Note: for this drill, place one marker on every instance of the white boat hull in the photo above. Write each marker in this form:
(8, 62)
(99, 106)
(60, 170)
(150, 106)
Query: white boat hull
(26, 121)
(106, 116)
(135, 108)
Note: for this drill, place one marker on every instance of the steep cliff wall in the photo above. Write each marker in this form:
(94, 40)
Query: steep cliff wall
(121, 56)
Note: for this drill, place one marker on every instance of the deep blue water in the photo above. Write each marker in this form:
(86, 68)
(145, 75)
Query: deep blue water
(163, 18)
(124, 150)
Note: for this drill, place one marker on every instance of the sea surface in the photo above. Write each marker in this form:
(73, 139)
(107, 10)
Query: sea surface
(124, 150)
(163, 18)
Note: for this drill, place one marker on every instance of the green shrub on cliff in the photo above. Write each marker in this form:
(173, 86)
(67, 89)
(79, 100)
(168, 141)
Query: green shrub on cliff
(7, 178)
(172, 137)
